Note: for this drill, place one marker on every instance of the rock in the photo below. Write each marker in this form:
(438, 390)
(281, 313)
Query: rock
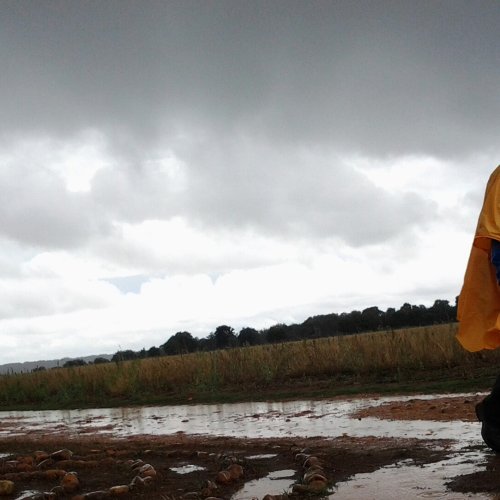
(52, 474)
(63, 454)
(58, 491)
(312, 460)
(29, 460)
(6, 487)
(309, 478)
(317, 486)
(116, 491)
(223, 477)
(208, 489)
(147, 480)
(235, 471)
(147, 470)
(300, 457)
(136, 484)
(40, 456)
(22, 467)
(70, 482)
(137, 464)
(48, 462)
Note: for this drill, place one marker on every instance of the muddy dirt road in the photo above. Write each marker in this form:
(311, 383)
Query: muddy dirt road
(367, 448)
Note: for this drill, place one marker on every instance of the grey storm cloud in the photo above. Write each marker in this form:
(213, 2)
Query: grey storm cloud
(373, 76)
(38, 210)
(258, 101)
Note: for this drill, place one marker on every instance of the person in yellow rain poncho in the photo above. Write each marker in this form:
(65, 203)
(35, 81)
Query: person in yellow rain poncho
(479, 302)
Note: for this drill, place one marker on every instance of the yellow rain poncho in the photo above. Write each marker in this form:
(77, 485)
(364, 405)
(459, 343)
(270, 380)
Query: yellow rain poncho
(479, 301)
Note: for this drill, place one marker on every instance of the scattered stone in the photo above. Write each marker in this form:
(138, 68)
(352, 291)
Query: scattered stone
(116, 491)
(40, 456)
(309, 478)
(48, 462)
(58, 491)
(63, 454)
(147, 470)
(208, 489)
(137, 464)
(312, 460)
(53, 474)
(235, 471)
(223, 477)
(6, 487)
(318, 485)
(301, 457)
(70, 482)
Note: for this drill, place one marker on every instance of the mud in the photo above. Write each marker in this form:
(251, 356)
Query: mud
(188, 466)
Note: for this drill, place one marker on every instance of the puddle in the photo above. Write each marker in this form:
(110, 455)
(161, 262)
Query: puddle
(187, 469)
(411, 481)
(275, 483)
(252, 420)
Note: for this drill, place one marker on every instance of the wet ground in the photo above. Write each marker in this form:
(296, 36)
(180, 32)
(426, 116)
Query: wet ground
(365, 448)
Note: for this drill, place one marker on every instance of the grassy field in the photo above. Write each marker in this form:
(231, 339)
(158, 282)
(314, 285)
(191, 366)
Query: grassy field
(418, 359)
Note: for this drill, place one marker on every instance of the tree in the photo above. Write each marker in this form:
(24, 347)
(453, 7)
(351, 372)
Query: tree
(371, 319)
(126, 355)
(74, 362)
(154, 352)
(180, 343)
(277, 333)
(100, 360)
(249, 336)
(224, 337)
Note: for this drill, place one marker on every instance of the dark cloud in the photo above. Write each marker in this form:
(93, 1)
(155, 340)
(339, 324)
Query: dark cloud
(38, 210)
(369, 76)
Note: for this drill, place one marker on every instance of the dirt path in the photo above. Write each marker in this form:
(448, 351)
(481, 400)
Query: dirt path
(182, 466)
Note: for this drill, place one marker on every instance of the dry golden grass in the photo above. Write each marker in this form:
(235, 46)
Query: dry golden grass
(397, 352)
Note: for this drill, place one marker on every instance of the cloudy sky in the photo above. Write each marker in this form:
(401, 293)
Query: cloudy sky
(177, 165)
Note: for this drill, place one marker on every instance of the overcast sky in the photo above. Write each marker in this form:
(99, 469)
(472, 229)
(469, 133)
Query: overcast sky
(179, 165)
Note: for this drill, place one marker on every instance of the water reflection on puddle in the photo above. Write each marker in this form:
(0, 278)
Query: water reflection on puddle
(254, 420)
(274, 483)
(187, 469)
(404, 480)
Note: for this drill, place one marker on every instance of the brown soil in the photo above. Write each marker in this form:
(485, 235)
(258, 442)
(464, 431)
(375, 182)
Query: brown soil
(102, 463)
(442, 409)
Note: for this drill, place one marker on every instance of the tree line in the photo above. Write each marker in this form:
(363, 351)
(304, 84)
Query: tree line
(327, 325)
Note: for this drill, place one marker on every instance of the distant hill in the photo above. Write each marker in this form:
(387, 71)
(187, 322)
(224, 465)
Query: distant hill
(28, 366)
